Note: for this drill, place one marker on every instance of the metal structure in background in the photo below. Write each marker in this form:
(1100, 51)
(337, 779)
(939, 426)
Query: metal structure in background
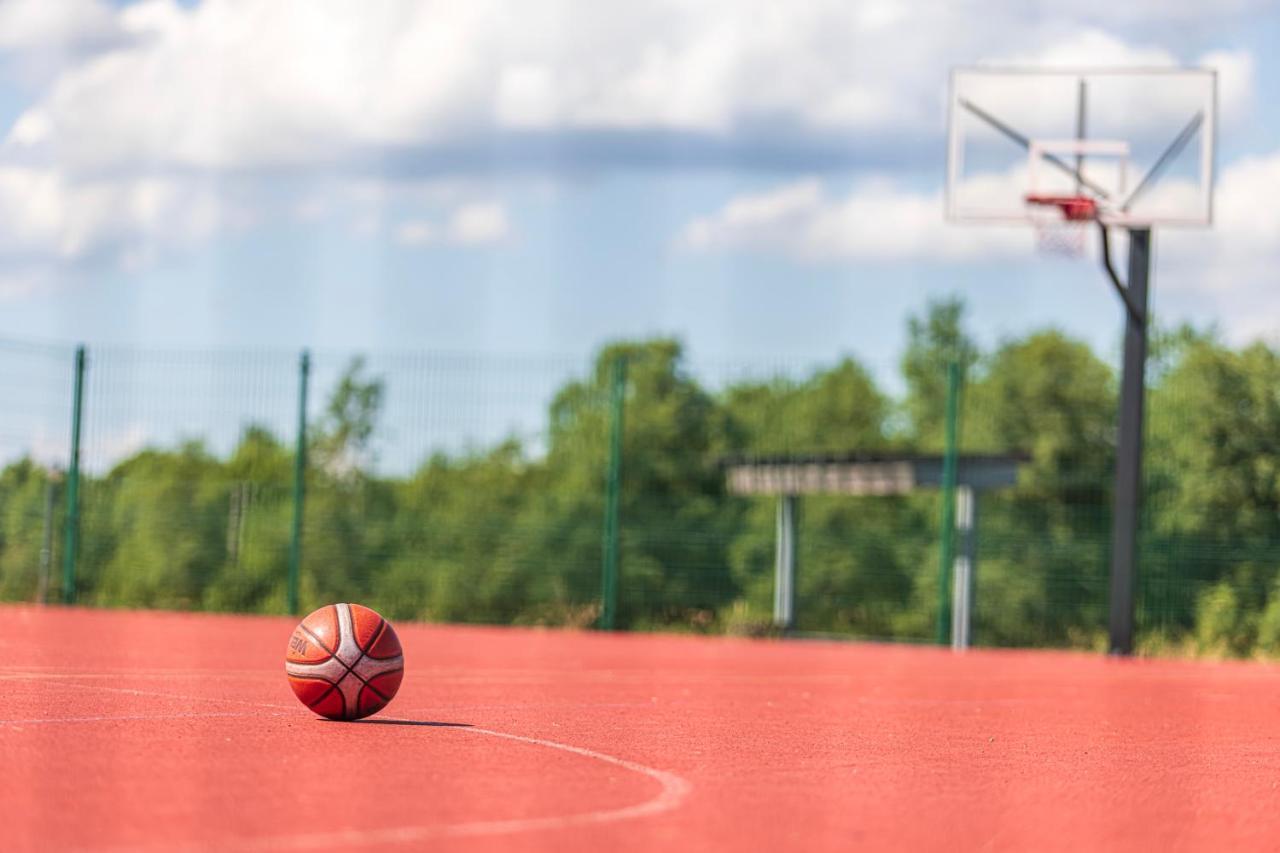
(1133, 393)
(73, 485)
(965, 562)
(1080, 129)
(46, 539)
(168, 438)
(299, 483)
(784, 567)
(613, 489)
(946, 545)
(860, 474)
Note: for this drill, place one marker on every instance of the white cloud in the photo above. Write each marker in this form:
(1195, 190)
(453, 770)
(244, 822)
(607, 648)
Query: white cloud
(1236, 82)
(104, 160)
(479, 223)
(876, 221)
(1092, 48)
(1242, 250)
(416, 233)
(49, 215)
(1226, 271)
(263, 83)
(19, 282)
(29, 25)
(473, 224)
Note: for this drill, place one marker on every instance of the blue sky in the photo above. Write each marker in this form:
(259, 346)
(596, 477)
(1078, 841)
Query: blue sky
(525, 177)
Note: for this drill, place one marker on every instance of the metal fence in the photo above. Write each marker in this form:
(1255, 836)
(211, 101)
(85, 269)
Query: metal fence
(547, 490)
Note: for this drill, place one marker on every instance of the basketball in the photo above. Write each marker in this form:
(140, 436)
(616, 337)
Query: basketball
(344, 661)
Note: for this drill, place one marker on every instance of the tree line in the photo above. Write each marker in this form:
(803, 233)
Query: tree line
(512, 532)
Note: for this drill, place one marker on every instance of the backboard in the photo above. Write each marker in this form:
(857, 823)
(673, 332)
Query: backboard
(1137, 145)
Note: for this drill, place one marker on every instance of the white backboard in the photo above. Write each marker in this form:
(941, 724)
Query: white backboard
(1009, 134)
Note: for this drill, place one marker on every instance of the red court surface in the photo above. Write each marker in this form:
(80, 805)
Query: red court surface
(158, 731)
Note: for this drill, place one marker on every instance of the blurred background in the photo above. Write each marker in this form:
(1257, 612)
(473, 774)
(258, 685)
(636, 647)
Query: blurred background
(542, 268)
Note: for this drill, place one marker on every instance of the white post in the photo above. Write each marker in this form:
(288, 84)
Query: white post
(784, 566)
(962, 576)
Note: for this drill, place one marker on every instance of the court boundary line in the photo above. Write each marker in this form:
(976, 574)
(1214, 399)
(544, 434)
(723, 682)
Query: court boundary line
(674, 788)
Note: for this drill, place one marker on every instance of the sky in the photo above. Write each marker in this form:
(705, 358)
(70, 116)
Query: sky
(762, 180)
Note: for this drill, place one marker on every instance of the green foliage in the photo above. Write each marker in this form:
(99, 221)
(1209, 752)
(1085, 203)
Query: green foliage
(511, 532)
(1269, 624)
(934, 341)
(832, 411)
(167, 515)
(1217, 435)
(340, 444)
(23, 497)
(1223, 625)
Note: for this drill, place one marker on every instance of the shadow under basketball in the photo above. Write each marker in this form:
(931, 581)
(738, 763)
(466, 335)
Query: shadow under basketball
(391, 721)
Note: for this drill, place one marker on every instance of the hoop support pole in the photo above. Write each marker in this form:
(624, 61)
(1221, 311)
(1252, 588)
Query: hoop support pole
(1136, 313)
(1127, 509)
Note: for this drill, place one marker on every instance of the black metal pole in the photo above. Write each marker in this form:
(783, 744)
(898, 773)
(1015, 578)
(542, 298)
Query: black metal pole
(73, 485)
(1128, 486)
(299, 486)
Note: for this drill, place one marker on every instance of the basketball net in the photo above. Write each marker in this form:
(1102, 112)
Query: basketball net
(1061, 223)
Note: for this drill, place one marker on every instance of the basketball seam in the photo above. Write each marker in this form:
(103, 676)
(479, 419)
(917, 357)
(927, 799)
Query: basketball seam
(334, 655)
(350, 670)
(364, 652)
(343, 664)
(364, 681)
(369, 684)
(364, 684)
(332, 687)
(291, 659)
(377, 635)
(383, 627)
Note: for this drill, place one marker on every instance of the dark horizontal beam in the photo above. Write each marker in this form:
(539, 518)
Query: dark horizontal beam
(883, 475)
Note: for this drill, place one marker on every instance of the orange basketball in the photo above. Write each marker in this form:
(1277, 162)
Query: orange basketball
(344, 661)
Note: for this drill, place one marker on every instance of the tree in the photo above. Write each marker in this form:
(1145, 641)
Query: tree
(856, 556)
(1214, 427)
(838, 410)
(343, 439)
(1213, 477)
(1042, 574)
(933, 342)
(259, 511)
(167, 514)
(348, 510)
(458, 540)
(673, 563)
(23, 494)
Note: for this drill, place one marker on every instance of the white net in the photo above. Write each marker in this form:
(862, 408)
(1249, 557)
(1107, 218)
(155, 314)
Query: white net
(1056, 234)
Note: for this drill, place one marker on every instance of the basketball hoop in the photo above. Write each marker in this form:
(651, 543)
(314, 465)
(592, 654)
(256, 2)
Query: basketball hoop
(1061, 222)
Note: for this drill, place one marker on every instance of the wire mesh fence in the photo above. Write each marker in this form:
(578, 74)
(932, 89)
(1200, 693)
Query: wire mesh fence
(478, 489)
(35, 439)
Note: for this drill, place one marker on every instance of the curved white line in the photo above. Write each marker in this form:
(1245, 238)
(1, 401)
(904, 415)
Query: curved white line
(674, 790)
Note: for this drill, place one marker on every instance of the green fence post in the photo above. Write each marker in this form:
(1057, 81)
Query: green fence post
(613, 486)
(299, 482)
(73, 485)
(46, 537)
(947, 538)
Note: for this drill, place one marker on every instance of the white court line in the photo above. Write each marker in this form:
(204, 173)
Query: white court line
(37, 675)
(674, 790)
(17, 724)
(413, 711)
(156, 693)
(509, 706)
